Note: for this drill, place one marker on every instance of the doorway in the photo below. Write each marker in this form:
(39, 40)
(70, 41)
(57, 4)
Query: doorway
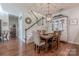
(13, 26)
(0, 30)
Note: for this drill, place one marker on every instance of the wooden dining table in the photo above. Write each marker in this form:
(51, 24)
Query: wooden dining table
(46, 37)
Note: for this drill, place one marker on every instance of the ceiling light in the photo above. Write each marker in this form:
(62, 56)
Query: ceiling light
(48, 15)
(1, 10)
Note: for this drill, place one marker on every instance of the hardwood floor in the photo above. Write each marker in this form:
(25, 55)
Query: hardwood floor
(74, 51)
(17, 48)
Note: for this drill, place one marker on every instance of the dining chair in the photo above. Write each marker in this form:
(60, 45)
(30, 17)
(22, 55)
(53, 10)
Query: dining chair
(5, 35)
(37, 41)
(56, 39)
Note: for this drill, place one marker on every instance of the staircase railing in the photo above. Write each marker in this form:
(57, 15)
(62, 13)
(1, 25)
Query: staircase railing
(38, 20)
(34, 24)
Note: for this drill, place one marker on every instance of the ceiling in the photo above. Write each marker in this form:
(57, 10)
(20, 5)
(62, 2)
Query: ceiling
(42, 8)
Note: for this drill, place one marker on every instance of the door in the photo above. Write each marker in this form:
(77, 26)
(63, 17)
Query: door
(0, 30)
(13, 25)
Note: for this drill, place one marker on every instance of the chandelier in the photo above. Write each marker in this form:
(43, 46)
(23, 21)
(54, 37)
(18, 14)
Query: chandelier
(48, 15)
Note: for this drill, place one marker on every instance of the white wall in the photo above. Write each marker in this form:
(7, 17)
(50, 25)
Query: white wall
(4, 18)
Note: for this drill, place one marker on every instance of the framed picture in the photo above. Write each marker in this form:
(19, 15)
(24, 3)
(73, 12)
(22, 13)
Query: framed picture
(4, 23)
(73, 21)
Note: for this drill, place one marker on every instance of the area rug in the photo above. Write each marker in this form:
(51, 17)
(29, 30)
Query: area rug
(63, 50)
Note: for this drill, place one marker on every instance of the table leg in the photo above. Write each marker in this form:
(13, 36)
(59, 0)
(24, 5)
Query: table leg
(46, 47)
(57, 43)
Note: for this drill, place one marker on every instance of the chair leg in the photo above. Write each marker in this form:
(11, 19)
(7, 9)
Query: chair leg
(35, 47)
(38, 49)
(57, 43)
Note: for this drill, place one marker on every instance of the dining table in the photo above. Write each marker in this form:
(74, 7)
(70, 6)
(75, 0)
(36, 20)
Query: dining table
(46, 37)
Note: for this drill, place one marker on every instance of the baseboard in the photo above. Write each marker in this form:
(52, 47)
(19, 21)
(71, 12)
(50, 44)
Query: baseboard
(29, 41)
(63, 41)
(73, 42)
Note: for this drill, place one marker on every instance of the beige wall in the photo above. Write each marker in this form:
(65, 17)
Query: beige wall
(25, 25)
(73, 31)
